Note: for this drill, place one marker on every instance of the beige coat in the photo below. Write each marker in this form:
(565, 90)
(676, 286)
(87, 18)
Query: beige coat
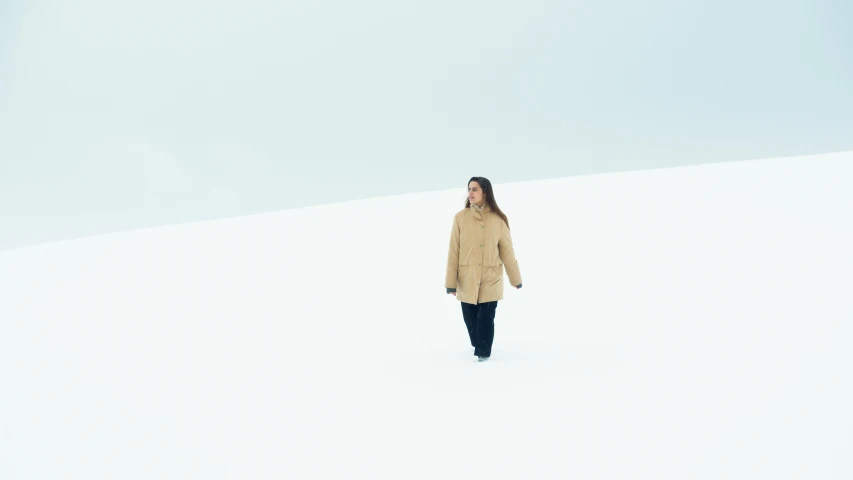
(480, 248)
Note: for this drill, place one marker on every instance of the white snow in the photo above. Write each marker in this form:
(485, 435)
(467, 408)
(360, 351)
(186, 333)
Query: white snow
(680, 323)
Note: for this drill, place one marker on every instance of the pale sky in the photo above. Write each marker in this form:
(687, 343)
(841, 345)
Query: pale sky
(117, 116)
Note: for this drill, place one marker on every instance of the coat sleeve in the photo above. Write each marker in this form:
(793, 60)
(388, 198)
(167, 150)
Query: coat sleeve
(507, 255)
(452, 257)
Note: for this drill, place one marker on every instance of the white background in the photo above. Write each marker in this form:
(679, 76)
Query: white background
(679, 323)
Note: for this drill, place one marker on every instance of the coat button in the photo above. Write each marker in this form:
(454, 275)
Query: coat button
(481, 244)
(482, 226)
(478, 266)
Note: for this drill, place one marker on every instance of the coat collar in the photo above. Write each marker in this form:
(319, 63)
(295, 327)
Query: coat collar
(477, 209)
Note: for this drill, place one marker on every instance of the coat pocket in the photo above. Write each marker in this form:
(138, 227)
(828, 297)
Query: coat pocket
(493, 274)
(465, 277)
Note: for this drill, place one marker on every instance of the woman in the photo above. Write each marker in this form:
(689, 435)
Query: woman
(480, 248)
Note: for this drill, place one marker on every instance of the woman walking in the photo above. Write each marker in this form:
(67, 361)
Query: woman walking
(480, 249)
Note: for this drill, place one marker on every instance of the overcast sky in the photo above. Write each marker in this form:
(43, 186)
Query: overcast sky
(117, 115)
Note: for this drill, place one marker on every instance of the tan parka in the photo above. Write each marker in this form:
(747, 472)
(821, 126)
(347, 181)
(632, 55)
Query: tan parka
(480, 249)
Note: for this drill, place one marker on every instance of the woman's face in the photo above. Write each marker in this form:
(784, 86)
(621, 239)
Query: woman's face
(475, 193)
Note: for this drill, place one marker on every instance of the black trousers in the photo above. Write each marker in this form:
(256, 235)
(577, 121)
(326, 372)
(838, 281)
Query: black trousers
(480, 321)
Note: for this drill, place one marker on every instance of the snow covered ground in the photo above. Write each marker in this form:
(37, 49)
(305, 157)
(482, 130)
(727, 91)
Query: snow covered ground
(681, 323)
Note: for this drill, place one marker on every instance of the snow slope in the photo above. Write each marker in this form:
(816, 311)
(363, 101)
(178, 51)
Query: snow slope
(691, 322)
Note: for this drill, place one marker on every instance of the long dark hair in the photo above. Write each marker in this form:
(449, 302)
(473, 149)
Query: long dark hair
(488, 197)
